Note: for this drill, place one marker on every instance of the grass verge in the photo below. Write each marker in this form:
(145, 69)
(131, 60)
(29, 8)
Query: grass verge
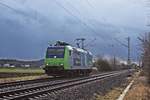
(21, 70)
(140, 89)
(115, 92)
(6, 80)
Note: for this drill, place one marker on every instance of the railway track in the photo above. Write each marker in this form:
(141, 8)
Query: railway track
(33, 91)
(4, 86)
(20, 84)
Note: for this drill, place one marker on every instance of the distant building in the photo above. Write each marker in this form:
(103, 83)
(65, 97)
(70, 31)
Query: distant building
(6, 65)
(26, 66)
(12, 66)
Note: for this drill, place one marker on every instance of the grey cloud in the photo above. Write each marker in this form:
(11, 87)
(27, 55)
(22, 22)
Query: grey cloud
(24, 33)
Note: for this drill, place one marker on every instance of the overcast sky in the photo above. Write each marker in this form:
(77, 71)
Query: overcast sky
(26, 26)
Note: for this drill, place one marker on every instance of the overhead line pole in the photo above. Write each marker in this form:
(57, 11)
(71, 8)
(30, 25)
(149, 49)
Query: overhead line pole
(82, 42)
(114, 58)
(129, 50)
(128, 45)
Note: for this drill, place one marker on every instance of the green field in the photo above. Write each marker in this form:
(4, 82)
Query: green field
(21, 70)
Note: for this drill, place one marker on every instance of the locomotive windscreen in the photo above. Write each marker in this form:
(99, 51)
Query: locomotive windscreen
(55, 52)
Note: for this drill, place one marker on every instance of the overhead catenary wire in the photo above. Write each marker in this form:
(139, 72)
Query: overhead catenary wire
(93, 7)
(7, 6)
(89, 3)
(118, 41)
(20, 12)
(87, 25)
(68, 11)
(114, 39)
(90, 43)
(125, 45)
(102, 37)
(79, 19)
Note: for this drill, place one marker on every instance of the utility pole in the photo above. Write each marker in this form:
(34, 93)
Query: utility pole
(114, 58)
(128, 45)
(129, 50)
(82, 42)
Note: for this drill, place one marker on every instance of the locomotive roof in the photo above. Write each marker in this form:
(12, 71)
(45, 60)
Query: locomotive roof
(73, 48)
(78, 49)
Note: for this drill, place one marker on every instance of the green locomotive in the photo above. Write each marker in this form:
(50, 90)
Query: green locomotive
(63, 59)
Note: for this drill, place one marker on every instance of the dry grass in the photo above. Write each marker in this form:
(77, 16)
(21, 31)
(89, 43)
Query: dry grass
(112, 95)
(142, 73)
(4, 80)
(21, 70)
(139, 91)
(116, 92)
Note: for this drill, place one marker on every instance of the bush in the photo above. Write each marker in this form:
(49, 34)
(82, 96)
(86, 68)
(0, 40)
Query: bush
(102, 65)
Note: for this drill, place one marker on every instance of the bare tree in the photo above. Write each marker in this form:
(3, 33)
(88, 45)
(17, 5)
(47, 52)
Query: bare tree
(102, 65)
(145, 43)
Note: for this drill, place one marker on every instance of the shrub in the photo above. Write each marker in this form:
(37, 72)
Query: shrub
(102, 65)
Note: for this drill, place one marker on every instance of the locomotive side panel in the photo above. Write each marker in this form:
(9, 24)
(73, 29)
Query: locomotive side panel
(80, 60)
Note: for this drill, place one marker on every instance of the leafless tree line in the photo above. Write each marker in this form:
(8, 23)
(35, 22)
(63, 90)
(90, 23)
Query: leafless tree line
(111, 64)
(145, 43)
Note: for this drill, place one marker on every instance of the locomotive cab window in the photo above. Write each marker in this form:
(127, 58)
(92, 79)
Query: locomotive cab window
(55, 52)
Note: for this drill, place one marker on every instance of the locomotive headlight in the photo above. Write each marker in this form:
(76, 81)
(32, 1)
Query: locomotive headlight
(47, 64)
(61, 64)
